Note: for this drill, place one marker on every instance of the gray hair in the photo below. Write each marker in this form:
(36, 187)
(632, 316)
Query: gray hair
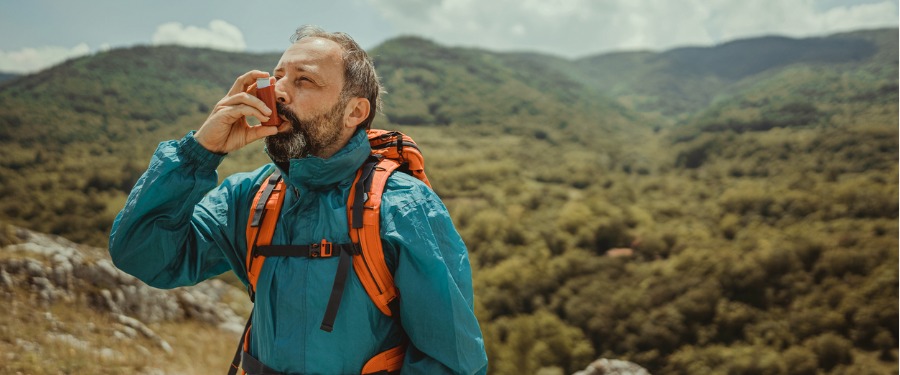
(360, 79)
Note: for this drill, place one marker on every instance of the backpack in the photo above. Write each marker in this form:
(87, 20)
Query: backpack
(390, 151)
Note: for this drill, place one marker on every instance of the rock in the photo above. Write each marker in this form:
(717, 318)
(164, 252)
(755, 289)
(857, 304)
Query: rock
(69, 340)
(233, 327)
(108, 301)
(118, 335)
(34, 268)
(201, 303)
(62, 271)
(54, 323)
(44, 289)
(52, 269)
(28, 346)
(108, 354)
(605, 366)
(144, 330)
(6, 281)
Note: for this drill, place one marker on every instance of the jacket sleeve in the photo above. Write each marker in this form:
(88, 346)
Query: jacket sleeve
(435, 282)
(174, 228)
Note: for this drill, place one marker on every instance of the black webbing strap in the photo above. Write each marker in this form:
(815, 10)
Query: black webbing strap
(236, 362)
(261, 204)
(316, 250)
(362, 188)
(337, 289)
(254, 367)
(259, 212)
(394, 306)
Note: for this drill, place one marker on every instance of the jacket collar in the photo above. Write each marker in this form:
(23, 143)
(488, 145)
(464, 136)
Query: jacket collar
(315, 173)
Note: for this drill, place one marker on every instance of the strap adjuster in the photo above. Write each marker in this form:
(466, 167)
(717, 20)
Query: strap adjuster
(322, 249)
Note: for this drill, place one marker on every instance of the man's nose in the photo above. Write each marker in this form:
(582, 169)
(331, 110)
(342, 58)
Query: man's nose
(281, 94)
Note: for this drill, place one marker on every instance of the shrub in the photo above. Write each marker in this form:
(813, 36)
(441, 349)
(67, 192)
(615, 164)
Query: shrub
(800, 360)
(831, 350)
(527, 343)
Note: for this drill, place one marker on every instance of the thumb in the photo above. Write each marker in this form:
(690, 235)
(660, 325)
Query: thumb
(260, 131)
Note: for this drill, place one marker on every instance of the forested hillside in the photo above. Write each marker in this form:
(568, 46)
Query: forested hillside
(755, 185)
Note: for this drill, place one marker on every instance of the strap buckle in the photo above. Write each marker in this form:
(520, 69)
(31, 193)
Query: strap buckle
(322, 249)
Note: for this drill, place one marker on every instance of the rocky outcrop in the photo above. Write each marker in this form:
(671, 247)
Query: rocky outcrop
(53, 270)
(605, 366)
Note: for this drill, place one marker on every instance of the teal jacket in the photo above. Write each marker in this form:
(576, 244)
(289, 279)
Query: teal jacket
(178, 228)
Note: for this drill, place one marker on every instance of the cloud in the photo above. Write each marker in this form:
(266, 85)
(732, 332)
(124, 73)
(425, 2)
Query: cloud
(220, 35)
(29, 60)
(800, 18)
(575, 28)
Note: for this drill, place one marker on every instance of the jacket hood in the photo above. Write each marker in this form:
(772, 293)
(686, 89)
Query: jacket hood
(315, 173)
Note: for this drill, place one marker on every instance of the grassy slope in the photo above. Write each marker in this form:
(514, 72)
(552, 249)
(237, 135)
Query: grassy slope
(76, 336)
(198, 348)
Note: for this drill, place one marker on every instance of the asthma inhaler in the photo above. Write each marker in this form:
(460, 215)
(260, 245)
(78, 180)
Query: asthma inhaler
(266, 92)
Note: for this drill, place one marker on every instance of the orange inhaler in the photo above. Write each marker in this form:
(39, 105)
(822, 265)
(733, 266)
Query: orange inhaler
(265, 91)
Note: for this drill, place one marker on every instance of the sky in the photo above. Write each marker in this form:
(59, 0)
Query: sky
(40, 33)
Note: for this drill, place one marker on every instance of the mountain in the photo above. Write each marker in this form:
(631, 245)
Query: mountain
(76, 136)
(725, 209)
(100, 116)
(684, 80)
(7, 76)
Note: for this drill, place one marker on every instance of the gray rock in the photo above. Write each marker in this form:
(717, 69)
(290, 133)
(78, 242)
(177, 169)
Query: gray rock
(34, 268)
(108, 354)
(28, 346)
(44, 290)
(70, 340)
(6, 281)
(53, 270)
(605, 366)
(146, 331)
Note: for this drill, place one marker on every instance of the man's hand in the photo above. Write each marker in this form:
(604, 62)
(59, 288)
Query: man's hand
(226, 129)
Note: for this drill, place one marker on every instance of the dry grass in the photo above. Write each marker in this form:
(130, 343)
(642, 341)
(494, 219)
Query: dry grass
(73, 338)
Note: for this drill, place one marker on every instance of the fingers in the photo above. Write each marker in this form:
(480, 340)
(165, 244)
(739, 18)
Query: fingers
(260, 131)
(233, 113)
(245, 99)
(245, 80)
(226, 128)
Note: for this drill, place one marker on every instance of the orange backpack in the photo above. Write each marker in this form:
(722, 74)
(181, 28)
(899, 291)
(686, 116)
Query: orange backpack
(390, 151)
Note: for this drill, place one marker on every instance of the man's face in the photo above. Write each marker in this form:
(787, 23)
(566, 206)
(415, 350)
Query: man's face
(310, 76)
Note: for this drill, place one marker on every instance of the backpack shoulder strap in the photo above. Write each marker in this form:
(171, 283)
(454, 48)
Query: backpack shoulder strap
(364, 213)
(261, 224)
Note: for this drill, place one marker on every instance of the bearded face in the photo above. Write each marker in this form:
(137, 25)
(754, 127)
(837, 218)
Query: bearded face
(306, 137)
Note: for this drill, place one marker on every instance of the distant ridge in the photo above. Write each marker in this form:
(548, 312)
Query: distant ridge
(743, 58)
(681, 81)
(7, 76)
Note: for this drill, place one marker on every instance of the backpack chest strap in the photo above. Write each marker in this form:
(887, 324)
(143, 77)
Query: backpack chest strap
(322, 249)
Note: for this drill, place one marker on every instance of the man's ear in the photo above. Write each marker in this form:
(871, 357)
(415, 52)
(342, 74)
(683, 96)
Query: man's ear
(356, 112)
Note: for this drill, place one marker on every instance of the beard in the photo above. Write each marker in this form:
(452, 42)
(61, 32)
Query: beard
(306, 137)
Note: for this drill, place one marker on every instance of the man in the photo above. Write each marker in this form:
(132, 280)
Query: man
(178, 228)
